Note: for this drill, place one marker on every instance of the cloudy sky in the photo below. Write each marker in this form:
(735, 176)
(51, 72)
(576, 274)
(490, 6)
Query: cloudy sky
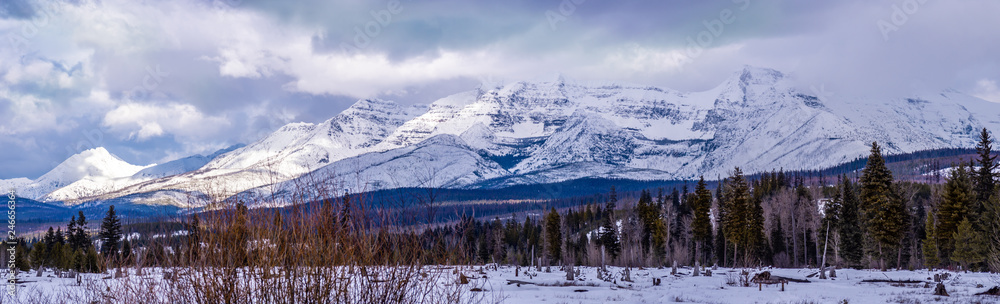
(156, 80)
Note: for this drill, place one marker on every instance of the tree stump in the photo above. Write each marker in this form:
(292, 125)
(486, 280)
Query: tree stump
(673, 270)
(696, 270)
(940, 291)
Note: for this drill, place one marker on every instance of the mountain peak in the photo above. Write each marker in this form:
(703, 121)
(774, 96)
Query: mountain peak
(758, 75)
(93, 162)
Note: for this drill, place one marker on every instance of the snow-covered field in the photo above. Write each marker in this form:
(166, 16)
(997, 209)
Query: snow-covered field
(552, 287)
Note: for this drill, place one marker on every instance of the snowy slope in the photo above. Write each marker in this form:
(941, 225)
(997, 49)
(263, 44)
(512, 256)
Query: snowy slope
(182, 165)
(443, 161)
(90, 171)
(298, 148)
(98, 185)
(14, 183)
(289, 152)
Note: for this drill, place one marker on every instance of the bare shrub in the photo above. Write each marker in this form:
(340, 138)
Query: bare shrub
(322, 249)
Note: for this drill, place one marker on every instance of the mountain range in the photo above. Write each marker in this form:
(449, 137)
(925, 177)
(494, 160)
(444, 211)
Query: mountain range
(538, 132)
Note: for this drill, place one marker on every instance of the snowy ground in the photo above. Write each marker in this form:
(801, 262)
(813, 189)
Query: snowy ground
(542, 287)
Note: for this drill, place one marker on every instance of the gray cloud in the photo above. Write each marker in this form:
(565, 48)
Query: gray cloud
(247, 67)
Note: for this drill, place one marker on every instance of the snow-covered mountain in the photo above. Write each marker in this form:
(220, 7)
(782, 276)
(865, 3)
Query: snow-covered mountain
(442, 161)
(289, 152)
(298, 148)
(90, 171)
(552, 131)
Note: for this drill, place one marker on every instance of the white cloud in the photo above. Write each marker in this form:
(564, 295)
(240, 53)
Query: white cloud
(28, 113)
(144, 121)
(987, 89)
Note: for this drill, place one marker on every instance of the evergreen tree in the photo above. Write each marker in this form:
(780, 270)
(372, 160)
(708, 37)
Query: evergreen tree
(654, 231)
(79, 237)
(609, 238)
(968, 245)
(777, 237)
(984, 179)
(931, 259)
(50, 237)
(745, 219)
(111, 233)
(553, 235)
(992, 226)
(126, 252)
(194, 237)
(702, 223)
(59, 237)
(883, 214)
(955, 199)
(345, 213)
(38, 254)
(92, 261)
(850, 231)
(55, 256)
(71, 234)
(612, 200)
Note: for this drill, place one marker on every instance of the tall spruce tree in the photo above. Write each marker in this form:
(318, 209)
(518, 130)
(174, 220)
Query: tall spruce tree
(883, 213)
(744, 223)
(992, 219)
(968, 245)
(954, 207)
(609, 238)
(612, 199)
(930, 247)
(79, 237)
(984, 179)
(111, 233)
(71, 234)
(702, 222)
(553, 235)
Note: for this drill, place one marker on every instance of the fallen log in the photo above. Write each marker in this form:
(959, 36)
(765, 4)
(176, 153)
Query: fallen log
(519, 282)
(995, 291)
(891, 281)
(774, 277)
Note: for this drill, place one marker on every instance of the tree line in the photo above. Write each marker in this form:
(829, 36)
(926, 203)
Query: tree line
(75, 248)
(873, 221)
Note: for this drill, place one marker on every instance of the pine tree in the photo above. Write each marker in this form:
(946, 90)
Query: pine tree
(71, 234)
(126, 252)
(55, 256)
(194, 237)
(955, 200)
(111, 233)
(992, 226)
(553, 235)
(883, 214)
(702, 223)
(345, 213)
(931, 259)
(744, 223)
(79, 237)
(609, 238)
(968, 245)
(984, 179)
(612, 199)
